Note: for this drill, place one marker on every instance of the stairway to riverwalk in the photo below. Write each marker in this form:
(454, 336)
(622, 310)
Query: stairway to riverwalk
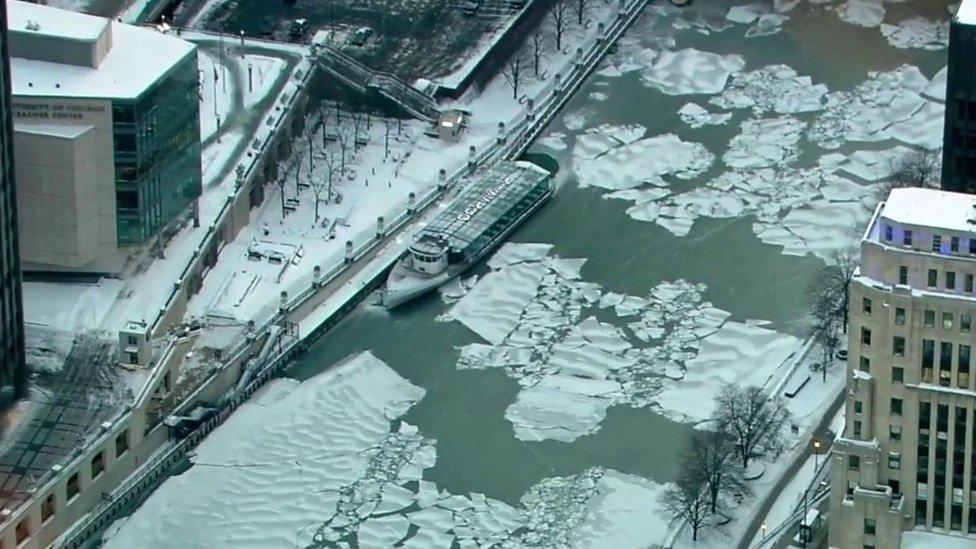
(366, 80)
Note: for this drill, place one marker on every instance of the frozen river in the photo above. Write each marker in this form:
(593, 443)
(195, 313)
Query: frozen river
(708, 169)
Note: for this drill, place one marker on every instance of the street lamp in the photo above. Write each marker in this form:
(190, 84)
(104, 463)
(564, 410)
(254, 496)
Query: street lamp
(816, 456)
(763, 528)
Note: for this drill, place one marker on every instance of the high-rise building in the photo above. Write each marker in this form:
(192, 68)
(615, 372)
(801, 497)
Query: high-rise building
(907, 456)
(106, 135)
(13, 377)
(959, 137)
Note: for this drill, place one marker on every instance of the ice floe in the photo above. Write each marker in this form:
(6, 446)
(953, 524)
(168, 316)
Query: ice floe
(601, 160)
(918, 33)
(697, 116)
(937, 87)
(571, 366)
(774, 88)
(865, 13)
(874, 107)
(765, 142)
(690, 71)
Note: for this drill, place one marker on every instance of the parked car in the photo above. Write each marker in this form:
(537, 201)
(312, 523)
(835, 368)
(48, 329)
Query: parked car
(361, 35)
(298, 29)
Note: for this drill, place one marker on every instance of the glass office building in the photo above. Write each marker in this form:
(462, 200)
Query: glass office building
(13, 375)
(157, 153)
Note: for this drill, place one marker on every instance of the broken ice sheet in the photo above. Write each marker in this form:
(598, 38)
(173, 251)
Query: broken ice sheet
(918, 33)
(639, 162)
(765, 142)
(864, 13)
(690, 71)
(773, 88)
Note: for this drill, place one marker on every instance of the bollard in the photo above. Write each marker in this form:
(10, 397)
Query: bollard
(501, 133)
(316, 276)
(441, 179)
(530, 113)
(600, 29)
(471, 160)
(380, 228)
(579, 57)
(348, 251)
(411, 200)
(284, 301)
(557, 84)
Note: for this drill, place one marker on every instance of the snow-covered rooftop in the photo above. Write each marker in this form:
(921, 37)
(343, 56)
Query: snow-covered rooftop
(931, 208)
(966, 14)
(928, 540)
(137, 59)
(53, 22)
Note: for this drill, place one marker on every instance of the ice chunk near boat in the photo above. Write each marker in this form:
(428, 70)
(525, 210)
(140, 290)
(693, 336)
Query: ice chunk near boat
(697, 116)
(643, 161)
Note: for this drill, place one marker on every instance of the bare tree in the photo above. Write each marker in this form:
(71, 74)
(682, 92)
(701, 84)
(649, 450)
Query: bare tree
(687, 499)
(558, 13)
(345, 136)
(829, 292)
(754, 421)
(280, 181)
(537, 39)
(711, 455)
(580, 7)
(515, 72)
(825, 326)
(919, 168)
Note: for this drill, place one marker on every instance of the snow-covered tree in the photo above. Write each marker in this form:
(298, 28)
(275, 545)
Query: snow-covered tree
(580, 7)
(538, 40)
(711, 455)
(754, 420)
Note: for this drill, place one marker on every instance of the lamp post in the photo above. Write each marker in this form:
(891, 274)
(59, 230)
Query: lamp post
(816, 456)
(763, 528)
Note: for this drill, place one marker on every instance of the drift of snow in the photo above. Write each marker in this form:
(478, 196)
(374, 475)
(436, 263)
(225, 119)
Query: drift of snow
(690, 71)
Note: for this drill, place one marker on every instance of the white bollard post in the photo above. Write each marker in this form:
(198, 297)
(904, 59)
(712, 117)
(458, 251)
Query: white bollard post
(501, 133)
(349, 251)
(380, 228)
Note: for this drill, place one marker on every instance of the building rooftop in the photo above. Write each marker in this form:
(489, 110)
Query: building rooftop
(38, 19)
(966, 14)
(67, 131)
(137, 59)
(931, 208)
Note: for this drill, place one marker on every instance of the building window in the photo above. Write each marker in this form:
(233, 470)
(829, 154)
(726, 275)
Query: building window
(888, 233)
(972, 246)
(869, 527)
(898, 374)
(962, 365)
(929, 319)
(73, 487)
(864, 364)
(122, 443)
(857, 429)
(894, 432)
(866, 306)
(950, 281)
(945, 363)
(896, 406)
(899, 316)
(853, 463)
(47, 508)
(858, 406)
(865, 336)
(933, 279)
(946, 321)
(903, 275)
(23, 531)
(936, 243)
(898, 346)
(968, 282)
(907, 238)
(954, 244)
(965, 322)
(97, 465)
(894, 460)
